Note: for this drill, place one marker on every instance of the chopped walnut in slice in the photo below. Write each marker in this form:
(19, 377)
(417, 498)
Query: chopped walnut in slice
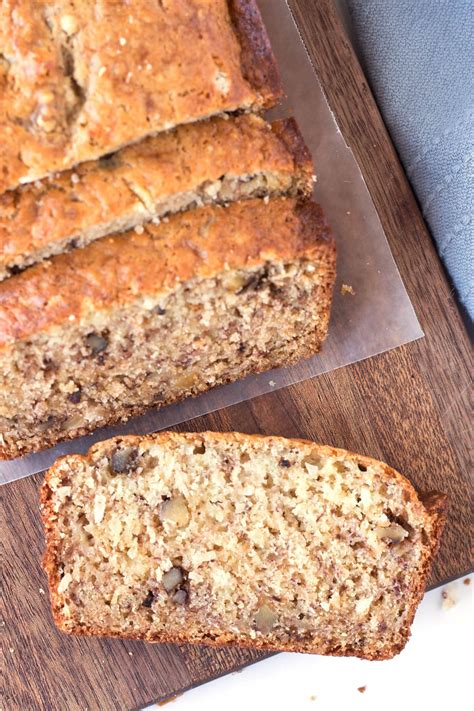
(265, 619)
(394, 533)
(175, 511)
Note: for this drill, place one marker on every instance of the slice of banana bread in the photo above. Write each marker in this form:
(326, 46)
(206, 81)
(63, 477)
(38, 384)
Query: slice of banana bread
(224, 538)
(94, 336)
(79, 78)
(210, 161)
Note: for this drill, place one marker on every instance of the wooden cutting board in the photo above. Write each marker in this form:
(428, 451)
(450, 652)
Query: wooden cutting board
(408, 407)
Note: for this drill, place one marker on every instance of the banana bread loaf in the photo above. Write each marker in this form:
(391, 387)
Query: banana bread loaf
(98, 334)
(79, 79)
(237, 539)
(209, 161)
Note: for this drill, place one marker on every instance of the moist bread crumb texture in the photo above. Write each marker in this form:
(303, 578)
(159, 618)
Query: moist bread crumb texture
(134, 321)
(226, 538)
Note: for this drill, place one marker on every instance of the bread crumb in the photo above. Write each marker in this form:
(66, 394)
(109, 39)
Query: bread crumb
(467, 581)
(75, 178)
(221, 82)
(361, 689)
(266, 199)
(168, 701)
(46, 97)
(348, 212)
(347, 289)
(122, 41)
(64, 583)
(68, 24)
(41, 591)
(128, 77)
(99, 507)
(314, 178)
(130, 654)
(139, 229)
(363, 605)
(102, 71)
(449, 600)
(271, 383)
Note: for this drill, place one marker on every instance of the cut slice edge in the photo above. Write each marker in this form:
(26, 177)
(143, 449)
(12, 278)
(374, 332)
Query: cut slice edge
(430, 508)
(210, 162)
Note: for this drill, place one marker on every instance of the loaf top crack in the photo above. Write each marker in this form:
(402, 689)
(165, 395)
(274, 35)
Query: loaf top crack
(228, 538)
(117, 270)
(79, 79)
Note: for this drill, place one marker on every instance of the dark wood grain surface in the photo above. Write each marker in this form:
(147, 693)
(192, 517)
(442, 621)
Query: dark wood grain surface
(408, 407)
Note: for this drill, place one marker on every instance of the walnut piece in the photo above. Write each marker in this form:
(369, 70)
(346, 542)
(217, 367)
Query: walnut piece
(233, 281)
(175, 583)
(180, 597)
(186, 381)
(73, 422)
(175, 511)
(96, 343)
(172, 579)
(265, 619)
(393, 533)
(124, 461)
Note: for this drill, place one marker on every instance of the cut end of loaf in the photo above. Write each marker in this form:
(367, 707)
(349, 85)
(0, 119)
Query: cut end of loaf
(237, 539)
(146, 320)
(160, 350)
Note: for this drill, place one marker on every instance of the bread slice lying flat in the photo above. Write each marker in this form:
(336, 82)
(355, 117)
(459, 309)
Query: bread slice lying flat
(214, 161)
(225, 538)
(132, 321)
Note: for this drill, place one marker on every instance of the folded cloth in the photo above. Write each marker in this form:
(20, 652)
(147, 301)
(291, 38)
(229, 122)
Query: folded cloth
(419, 58)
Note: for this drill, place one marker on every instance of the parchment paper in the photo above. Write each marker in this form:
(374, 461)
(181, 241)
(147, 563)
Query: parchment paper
(376, 318)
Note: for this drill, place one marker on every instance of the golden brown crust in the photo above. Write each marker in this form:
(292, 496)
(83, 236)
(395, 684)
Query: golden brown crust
(78, 79)
(433, 504)
(113, 271)
(290, 135)
(230, 640)
(41, 215)
(259, 67)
